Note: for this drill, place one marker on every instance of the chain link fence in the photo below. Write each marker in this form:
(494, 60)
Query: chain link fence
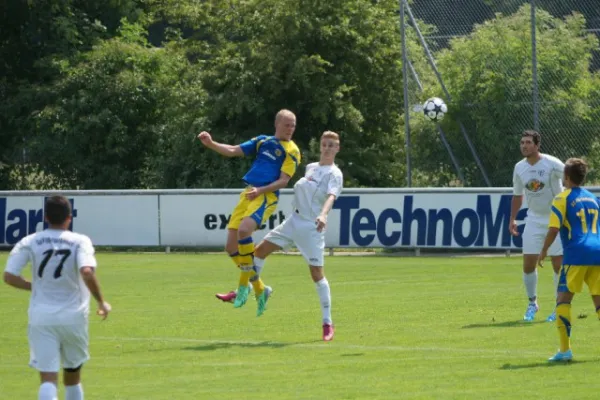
(502, 66)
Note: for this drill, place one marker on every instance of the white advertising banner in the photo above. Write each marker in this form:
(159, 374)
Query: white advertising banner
(436, 218)
(109, 220)
(201, 219)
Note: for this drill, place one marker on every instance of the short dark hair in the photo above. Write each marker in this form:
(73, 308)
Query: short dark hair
(576, 169)
(534, 135)
(57, 209)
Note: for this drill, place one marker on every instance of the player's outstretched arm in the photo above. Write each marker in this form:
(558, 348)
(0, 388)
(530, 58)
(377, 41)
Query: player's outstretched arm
(88, 275)
(223, 149)
(17, 281)
(278, 184)
(322, 218)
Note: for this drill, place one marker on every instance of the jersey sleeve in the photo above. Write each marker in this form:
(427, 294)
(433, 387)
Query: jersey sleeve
(250, 147)
(85, 254)
(517, 184)
(558, 211)
(556, 176)
(336, 183)
(19, 256)
(291, 162)
(558, 168)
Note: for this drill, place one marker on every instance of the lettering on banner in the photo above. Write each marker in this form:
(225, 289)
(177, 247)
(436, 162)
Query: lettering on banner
(220, 221)
(16, 223)
(481, 226)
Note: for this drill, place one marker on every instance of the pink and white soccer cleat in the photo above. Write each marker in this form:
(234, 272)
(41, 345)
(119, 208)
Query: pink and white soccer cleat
(227, 297)
(327, 332)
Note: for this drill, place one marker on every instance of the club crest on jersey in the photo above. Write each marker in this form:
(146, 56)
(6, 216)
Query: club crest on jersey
(534, 185)
(278, 152)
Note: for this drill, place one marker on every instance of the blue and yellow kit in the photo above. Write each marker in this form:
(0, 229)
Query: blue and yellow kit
(575, 213)
(272, 157)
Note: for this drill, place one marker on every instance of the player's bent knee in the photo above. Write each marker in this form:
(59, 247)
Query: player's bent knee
(316, 273)
(73, 370)
(259, 251)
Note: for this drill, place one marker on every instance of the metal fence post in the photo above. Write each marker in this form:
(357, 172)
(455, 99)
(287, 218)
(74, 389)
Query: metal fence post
(406, 100)
(536, 102)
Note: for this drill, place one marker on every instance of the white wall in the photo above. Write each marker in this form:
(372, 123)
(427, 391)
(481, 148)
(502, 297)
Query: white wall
(436, 218)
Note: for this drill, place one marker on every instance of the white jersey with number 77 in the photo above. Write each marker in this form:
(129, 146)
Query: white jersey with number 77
(58, 294)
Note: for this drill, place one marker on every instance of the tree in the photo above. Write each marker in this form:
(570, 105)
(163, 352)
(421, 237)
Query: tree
(336, 64)
(37, 38)
(106, 120)
(491, 89)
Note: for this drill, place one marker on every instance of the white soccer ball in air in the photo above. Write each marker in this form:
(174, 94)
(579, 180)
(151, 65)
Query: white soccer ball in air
(435, 109)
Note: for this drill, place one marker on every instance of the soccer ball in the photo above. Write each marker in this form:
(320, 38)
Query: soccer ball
(435, 109)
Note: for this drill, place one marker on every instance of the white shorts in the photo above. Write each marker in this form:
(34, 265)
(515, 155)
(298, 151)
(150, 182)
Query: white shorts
(51, 344)
(534, 235)
(303, 233)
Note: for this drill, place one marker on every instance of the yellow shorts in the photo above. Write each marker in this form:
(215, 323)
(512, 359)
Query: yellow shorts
(259, 209)
(572, 278)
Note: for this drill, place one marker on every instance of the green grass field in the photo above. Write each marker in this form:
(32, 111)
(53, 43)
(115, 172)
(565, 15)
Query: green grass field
(406, 328)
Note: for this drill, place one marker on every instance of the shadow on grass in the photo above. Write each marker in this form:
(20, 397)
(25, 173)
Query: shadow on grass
(506, 324)
(246, 345)
(545, 364)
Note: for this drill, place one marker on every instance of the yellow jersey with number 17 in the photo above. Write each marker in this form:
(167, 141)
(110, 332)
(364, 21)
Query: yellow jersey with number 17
(575, 212)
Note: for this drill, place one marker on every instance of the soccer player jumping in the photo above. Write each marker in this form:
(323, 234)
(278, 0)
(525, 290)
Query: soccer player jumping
(314, 195)
(276, 159)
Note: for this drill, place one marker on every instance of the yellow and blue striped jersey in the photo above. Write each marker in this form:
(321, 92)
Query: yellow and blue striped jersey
(575, 213)
(273, 156)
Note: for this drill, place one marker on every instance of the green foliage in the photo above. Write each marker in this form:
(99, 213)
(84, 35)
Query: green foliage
(37, 38)
(335, 64)
(491, 89)
(108, 118)
(87, 100)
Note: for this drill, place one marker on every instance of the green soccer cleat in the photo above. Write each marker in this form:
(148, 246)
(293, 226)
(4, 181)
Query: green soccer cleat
(241, 296)
(262, 300)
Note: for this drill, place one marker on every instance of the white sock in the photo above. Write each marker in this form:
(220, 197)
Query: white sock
(74, 392)
(325, 297)
(530, 281)
(258, 265)
(48, 391)
(556, 278)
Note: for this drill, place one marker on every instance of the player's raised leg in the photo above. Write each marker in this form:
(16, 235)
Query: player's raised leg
(231, 247)
(246, 259)
(279, 238)
(263, 250)
(259, 210)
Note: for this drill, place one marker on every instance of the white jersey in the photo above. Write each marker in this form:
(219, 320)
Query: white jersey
(58, 295)
(540, 183)
(311, 191)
